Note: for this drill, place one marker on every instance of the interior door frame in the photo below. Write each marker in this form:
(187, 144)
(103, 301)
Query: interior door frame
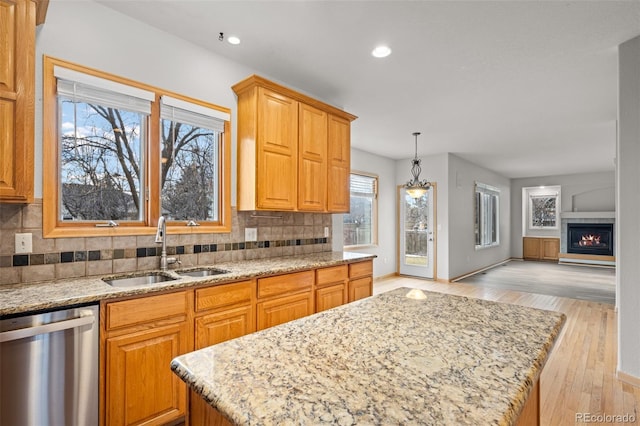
(399, 193)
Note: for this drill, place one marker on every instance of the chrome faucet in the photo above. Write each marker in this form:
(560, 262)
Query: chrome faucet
(161, 237)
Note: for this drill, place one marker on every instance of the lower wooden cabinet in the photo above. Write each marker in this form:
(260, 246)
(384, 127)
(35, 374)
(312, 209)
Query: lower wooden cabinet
(360, 280)
(140, 387)
(140, 338)
(284, 309)
(540, 248)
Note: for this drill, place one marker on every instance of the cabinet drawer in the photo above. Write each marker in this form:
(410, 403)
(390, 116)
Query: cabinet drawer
(360, 269)
(223, 295)
(146, 309)
(288, 283)
(331, 275)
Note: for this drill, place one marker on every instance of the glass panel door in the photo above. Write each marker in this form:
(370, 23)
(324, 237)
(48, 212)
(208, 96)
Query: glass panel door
(416, 234)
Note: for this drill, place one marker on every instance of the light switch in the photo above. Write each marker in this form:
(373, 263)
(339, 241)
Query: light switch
(250, 234)
(326, 231)
(24, 243)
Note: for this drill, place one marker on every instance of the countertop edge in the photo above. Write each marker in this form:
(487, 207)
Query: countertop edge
(17, 299)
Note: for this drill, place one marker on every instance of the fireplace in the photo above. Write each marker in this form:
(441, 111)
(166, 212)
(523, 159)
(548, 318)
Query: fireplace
(590, 238)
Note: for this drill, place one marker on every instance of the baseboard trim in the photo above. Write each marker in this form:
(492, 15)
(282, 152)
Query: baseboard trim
(453, 280)
(628, 378)
(386, 277)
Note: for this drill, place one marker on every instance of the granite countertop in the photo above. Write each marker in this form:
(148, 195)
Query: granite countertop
(386, 359)
(23, 298)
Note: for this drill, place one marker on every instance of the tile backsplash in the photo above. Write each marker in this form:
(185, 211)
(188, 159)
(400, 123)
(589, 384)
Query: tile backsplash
(279, 234)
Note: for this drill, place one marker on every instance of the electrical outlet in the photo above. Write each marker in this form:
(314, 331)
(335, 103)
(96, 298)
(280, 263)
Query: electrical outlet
(24, 243)
(250, 234)
(326, 231)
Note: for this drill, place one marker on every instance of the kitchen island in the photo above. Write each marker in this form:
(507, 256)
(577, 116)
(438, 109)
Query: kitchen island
(386, 359)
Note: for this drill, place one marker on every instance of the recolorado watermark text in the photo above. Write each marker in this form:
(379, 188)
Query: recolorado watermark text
(605, 418)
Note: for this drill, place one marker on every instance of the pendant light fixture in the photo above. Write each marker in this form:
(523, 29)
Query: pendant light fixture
(415, 187)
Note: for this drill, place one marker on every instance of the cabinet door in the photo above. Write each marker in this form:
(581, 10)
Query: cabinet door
(224, 325)
(360, 288)
(17, 80)
(140, 386)
(339, 166)
(284, 309)
(330, 297)
(277, 151)
(531, 248)
(312, 159)
(550, 248)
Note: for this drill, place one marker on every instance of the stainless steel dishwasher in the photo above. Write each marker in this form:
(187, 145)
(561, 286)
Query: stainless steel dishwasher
(49, 368)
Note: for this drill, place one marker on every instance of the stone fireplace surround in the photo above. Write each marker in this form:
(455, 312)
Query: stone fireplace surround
(584, 217)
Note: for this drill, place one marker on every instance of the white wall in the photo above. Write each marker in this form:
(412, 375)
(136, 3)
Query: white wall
(628, 209)
(463, 257)
(384, 168)
(579, 192)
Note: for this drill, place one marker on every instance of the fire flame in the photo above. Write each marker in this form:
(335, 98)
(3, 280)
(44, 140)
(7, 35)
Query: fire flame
(589, 240)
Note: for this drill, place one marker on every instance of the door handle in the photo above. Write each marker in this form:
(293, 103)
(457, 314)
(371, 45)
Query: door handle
(7, 336)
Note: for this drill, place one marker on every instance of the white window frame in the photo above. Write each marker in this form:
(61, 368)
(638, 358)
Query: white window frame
(374, 210)
(541, 192)
(483, 228)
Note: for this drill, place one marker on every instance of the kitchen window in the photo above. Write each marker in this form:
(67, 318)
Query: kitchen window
(123, 153)
(487, 216)
(360, 224)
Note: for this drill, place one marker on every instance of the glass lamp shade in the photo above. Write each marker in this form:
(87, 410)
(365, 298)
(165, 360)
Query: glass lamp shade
(416, 191)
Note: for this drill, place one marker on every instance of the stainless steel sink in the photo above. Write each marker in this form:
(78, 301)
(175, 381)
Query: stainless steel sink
(203, 272)
(132, 281)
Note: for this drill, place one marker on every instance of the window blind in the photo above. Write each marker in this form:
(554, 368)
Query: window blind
(189, 113)
(82, 87)
(362, 184)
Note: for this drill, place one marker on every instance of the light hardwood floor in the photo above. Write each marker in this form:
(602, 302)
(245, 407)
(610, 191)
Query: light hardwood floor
(597, 284)
(580, 374)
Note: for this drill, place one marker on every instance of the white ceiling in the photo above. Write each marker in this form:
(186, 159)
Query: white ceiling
(525, 88)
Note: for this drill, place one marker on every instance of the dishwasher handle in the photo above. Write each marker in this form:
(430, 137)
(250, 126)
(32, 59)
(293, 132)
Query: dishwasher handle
(7, 336)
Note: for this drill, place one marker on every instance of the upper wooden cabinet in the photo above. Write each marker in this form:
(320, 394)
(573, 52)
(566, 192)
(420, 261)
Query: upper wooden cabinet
(293, 150)
(17, 87)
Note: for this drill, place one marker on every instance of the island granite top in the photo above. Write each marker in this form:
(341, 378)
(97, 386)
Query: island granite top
(386, 359)
(33, 297)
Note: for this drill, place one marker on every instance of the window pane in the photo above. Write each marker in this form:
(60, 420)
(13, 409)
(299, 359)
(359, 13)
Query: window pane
(486, 216)
(100, 160)
(543, 212)
(190, 172)
(359, 224)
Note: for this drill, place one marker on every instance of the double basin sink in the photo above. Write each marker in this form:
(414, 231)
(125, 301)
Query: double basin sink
(159, 277)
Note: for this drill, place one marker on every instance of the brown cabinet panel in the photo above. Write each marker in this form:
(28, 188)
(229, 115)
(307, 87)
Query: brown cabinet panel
(339, 158)
(360, 288)
(224, 295)
(140, 386)
(361, 269)
(151, 308)
(331, 275)
(222, 326)
(540, 248)
(17, 99)
(330, 297)
(277, 149)
(550, 249)
(312, 159)
(282, 284)
(283, 309)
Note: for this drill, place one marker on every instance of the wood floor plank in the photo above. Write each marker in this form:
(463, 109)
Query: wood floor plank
(580, 374)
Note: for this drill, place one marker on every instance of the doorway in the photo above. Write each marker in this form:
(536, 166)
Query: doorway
(417, 234)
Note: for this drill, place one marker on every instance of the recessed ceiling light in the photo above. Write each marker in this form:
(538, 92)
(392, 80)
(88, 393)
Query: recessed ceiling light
(233, 40)
(381, 51)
